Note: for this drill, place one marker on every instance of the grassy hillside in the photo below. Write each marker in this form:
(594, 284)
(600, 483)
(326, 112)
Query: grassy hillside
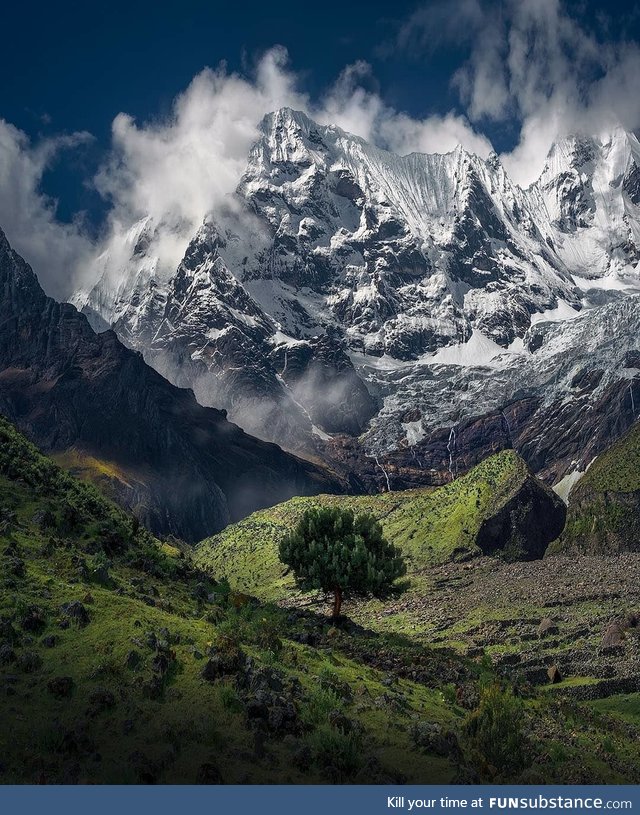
(604, 506)
(120, 662)
(431, 526)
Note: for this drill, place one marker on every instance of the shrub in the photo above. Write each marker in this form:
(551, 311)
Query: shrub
(496, 729)
(338, 755)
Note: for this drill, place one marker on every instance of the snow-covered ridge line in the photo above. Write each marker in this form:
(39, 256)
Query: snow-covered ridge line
(345, 281)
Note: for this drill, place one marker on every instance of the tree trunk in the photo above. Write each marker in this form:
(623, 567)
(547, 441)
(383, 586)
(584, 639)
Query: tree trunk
(337, 602)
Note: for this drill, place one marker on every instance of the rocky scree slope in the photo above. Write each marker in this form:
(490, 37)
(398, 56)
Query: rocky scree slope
(181, 468)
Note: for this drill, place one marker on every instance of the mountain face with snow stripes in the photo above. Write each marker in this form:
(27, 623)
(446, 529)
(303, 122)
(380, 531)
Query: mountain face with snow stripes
(350, 299)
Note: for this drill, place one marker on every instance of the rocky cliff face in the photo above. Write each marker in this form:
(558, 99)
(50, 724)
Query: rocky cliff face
(402, 315)
(558, 406)
(524, 526)
(182, 468)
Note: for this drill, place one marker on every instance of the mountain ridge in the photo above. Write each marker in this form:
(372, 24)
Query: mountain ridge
(180, 467)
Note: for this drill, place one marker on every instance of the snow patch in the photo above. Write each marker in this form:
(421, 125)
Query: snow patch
(617, 282)
(479, 350)
(563, 311)
(566, 484)
(415, 432)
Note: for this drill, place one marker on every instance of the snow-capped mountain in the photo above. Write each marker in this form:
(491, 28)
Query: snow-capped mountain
(351, 292)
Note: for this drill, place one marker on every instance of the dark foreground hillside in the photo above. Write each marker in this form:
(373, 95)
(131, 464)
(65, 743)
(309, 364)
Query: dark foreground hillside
(120, 662)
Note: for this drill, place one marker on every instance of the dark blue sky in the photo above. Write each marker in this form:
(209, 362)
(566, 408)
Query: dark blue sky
(85, 62)
(74, 66)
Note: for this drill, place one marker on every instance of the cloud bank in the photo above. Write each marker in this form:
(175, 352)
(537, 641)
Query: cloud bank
(526, 64)
(180, 169)
(532, 65)
(55, 250)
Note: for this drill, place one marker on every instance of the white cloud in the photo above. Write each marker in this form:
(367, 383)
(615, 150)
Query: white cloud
(532, 64)
(349, 105)
(55, 250)
(179, 169)
(527, 62)
(435, 134)
(439, 24)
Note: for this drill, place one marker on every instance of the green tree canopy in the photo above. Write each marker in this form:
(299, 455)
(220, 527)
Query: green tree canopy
(333, 550)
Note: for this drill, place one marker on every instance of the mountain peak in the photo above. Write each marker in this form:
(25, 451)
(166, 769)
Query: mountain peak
(400, 256)
(18, 281)
(571, 152)
(581, 152)
(287, 117)
(205, 243)
(290, 138)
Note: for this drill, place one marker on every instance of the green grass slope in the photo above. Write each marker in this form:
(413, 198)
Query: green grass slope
(604, 506)
(429, 525)
(107, 635)
(120, 662)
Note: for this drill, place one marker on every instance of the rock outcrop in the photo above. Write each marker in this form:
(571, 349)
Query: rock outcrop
(525, 524)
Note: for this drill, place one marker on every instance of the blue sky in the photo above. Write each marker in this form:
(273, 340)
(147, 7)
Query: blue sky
(85, 62)
(75, 67)
(92, 93)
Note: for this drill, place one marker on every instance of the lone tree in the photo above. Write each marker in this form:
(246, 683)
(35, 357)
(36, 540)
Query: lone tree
(336, 551)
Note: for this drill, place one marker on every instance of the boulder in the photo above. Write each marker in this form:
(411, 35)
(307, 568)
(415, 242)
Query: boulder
(60, 686)
(101, 576)
(222, 664)
(547, 627)
(34, 619)
(434, 738)
(133, 659)
(100, 700)
(76, 612)
(613, 635)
